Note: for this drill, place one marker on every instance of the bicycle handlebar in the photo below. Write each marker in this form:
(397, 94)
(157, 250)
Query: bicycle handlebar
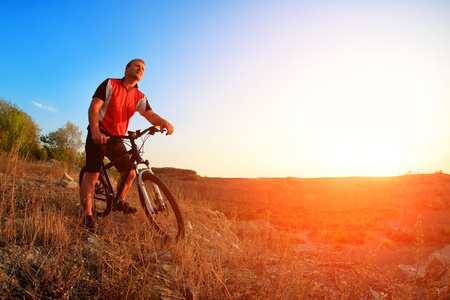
(132, 135)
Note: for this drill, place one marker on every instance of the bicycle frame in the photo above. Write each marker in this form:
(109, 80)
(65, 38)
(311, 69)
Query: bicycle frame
(135, 160)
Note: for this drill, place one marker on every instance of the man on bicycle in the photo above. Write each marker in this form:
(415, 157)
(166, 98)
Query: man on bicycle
(113, 104)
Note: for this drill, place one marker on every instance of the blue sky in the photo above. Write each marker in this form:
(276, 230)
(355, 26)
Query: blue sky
(253, 88)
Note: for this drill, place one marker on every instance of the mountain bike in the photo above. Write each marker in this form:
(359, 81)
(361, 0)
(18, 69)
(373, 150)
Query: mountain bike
(161, 208)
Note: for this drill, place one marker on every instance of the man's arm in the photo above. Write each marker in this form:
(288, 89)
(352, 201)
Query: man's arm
(156, 120)
(94, 119)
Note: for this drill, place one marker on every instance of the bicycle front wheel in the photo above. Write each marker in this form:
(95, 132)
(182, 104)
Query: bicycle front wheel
(164, 213)
(101, 202)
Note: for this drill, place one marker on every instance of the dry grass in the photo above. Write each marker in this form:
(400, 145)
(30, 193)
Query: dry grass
(44, 254)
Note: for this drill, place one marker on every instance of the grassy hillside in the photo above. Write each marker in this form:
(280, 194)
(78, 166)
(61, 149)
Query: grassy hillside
(45, 254)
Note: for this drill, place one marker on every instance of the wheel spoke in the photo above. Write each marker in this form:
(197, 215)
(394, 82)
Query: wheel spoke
(167, 218)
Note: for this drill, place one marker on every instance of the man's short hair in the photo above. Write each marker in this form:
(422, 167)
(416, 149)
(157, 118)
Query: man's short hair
(136, 59)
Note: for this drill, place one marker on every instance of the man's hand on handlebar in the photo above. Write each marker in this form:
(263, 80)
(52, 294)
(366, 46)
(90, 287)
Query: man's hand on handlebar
(166, 127)
(99, 138)
(156, 120)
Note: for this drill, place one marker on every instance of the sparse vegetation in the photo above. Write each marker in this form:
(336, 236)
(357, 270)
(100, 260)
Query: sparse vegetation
(44, 254)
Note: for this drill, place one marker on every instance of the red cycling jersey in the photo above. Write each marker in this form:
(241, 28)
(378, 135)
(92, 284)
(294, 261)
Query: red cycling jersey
(119, 105)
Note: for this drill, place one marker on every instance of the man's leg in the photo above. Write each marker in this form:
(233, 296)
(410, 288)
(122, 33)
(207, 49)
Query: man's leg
(87, 192)
(123, 205)
(117, 153)
(128, 183)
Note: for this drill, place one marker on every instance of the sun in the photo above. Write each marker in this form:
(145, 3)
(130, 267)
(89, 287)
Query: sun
(385, 159)
(357, 156)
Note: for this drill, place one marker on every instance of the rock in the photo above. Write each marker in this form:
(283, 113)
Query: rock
(434, 270)
(189, 226)
(161, 256)
(444, 253)
(375, 295)
(66, 177)
(68, 182)
(408, 272)
(93, 241)
(220, 214)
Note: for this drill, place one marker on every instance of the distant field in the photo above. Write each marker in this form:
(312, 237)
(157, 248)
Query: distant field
(358, 205)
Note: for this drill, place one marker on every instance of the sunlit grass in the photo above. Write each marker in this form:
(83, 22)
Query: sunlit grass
(44, 253)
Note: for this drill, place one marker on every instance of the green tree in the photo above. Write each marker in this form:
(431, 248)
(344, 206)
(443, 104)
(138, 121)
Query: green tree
(18, 132)
(64, 144)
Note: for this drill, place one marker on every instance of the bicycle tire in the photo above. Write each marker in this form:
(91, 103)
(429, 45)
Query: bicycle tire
(101, 202)
(167, 218)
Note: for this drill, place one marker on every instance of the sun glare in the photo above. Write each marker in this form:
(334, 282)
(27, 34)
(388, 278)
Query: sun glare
(385, 160)
(357, 156)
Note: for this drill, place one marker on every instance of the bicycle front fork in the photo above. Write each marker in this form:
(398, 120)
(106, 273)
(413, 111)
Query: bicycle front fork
(155, 188)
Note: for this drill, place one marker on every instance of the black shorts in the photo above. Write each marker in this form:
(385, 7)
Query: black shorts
(113, 150)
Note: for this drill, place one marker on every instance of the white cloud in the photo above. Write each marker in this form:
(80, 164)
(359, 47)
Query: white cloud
(49, 108)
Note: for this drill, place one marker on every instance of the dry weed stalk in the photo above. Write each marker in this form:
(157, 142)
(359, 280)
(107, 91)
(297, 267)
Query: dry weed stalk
(420, 242)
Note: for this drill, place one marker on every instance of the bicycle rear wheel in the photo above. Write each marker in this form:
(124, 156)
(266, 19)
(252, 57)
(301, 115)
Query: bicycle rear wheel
(101, 202)
(166, 216)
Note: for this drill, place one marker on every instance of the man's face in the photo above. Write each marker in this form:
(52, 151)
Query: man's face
(135, 70)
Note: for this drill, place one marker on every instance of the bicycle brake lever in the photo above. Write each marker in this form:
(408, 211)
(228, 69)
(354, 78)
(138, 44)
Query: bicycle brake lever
(153, 130)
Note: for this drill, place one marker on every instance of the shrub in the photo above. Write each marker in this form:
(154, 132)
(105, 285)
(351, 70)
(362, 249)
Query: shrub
(64, 144)
(388, 244)
(18, 132)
